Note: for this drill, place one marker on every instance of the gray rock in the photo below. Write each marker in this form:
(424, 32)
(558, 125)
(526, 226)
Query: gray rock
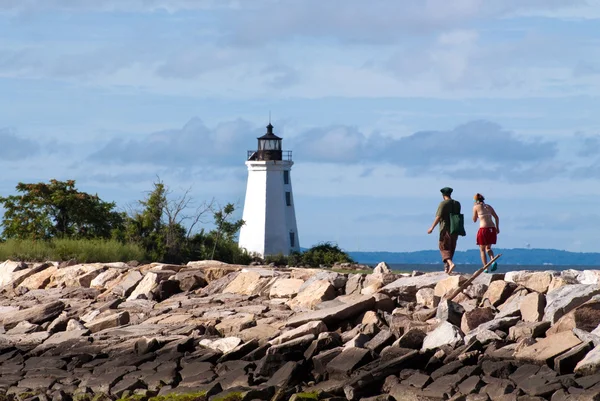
(566, 298)
(382, 268)
(35, 314)
(444, 334)
(590, 364)
(566, 363)
(128, 283)
(450, 312)
(347, 362)
(407, 287)
(337, 280)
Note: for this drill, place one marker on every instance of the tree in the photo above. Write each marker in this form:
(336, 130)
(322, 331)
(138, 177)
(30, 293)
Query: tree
(227, 229)
(160, 226)
(57, 210)
(146, 227)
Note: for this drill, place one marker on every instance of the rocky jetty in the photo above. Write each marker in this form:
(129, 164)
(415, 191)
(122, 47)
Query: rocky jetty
(212, 331)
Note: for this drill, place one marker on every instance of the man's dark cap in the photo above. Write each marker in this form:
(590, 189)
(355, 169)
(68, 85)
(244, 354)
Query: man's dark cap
(446, 191)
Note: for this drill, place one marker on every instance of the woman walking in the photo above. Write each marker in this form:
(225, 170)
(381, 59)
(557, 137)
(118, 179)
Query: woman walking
(486, 236)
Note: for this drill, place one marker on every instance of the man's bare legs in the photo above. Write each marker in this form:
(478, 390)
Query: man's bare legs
(449, 266)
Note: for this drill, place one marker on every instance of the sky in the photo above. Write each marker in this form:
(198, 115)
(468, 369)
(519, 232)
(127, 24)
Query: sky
(382, 102)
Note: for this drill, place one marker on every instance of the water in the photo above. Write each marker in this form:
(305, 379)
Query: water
(471, 268)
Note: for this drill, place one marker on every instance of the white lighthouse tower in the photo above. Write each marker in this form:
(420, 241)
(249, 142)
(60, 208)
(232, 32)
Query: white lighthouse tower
(269, 214)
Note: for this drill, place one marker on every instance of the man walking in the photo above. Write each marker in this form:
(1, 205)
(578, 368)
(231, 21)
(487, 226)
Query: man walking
(447, 241)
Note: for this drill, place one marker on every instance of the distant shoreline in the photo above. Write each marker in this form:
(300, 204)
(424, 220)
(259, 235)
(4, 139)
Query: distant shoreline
(519, 257)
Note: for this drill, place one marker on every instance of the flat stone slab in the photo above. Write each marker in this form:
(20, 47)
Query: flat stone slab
(410, 285)
(549, 347)
(348, 308)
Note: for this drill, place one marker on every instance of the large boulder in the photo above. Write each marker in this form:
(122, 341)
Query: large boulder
(76, 276)
(445, 334)
(448, 285)
(585, 317)
(346, 308)
(498, 291)
(476, 317)
(426, 297)
(312, 295)
(374, 282)
(315, 328)
(249, 282)
(102, 279)
(532, 307)
(548, 348)
(337, 280)
(590, 364)
(145, 287)
(354, 284)
(285, 288)
(8, 270)
(35, 314)
(125, 284)
(382, 268)
(564, 299)
(449, 311)
(39, 280)
(591, 277)
(407, 287)
(532, 280)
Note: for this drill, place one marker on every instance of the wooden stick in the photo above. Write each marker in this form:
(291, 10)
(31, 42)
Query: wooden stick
(473, 277)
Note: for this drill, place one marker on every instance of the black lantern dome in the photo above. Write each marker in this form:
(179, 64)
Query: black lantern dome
(269, 147)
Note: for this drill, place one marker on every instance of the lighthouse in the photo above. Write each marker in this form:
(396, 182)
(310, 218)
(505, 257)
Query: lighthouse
(269, 210)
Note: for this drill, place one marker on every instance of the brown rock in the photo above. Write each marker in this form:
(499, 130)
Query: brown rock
(39, 280)
(558, 282)
(532, 307)
(534, 281)
(527, 330)
(248, 283)
(448, 285)
(498, 292)
(235, 324)
(285, 288)
(425, 297)
(472, 319)
(108, 322)
(348, 307)
(314, 294)
(218, 270)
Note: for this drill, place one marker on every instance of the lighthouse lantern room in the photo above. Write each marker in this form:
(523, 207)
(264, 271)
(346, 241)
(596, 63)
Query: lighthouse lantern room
(269, 210)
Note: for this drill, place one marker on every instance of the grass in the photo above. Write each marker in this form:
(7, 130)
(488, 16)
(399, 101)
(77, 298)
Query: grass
(84, 251)
(306, 396)
(234, 396)
(197, 396)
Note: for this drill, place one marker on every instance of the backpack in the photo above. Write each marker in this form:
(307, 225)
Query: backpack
(457, 220)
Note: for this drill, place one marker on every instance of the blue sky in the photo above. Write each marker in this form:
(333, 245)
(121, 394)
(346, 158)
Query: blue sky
(382, 103)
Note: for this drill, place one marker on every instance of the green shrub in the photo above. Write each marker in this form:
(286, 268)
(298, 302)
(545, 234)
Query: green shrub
(323, 254)
(84, 251)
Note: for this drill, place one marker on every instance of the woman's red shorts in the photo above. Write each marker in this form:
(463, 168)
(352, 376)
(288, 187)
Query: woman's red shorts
(486, 236)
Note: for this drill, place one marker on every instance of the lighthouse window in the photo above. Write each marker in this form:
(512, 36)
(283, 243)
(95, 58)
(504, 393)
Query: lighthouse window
(288, 198)
(292, 239)
(286, 177)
